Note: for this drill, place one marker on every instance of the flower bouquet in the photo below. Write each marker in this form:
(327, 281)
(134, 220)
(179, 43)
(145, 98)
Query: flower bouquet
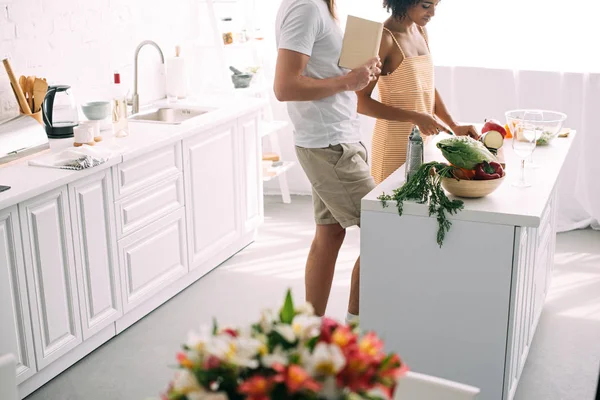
(289, 355)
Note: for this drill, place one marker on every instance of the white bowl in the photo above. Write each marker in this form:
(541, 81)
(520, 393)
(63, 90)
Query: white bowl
(96, 110)
(551, 123)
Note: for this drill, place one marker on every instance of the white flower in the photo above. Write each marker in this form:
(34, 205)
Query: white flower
(278, 356)
(267, 320)
(326, 360)
(206, 396)
(241, 351)
(306, 327)
(306, 309)
(287, 332)
(246, 350)
(199, 340)
(185, 382)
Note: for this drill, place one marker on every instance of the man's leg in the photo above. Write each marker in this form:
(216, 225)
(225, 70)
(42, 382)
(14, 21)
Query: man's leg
(353, 303)
(320, 265)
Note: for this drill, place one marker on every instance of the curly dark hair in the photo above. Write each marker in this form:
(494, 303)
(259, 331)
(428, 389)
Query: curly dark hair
(399, 8)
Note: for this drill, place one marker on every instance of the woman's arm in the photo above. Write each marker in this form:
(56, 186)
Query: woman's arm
(442, 113)
(291, 85)
(375, 109)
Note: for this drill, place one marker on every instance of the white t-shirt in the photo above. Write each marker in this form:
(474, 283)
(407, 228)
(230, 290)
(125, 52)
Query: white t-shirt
(306, 26)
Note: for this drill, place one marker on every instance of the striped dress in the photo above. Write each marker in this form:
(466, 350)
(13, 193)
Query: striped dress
(410, 87)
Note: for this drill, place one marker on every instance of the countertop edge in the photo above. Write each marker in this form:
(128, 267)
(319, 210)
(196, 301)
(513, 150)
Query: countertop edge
(237, 110)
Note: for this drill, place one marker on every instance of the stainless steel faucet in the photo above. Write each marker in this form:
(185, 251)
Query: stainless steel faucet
(136, 98)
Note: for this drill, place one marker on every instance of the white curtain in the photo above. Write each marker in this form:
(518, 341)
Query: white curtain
(493, 56)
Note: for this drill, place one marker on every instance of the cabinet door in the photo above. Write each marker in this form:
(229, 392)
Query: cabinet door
(252, 201)
(49, 264)
(16, 336)
(212, 192)
(152, 258)
(93, 220)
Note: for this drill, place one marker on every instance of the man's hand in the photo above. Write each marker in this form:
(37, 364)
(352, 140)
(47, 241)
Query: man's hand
(360, 77)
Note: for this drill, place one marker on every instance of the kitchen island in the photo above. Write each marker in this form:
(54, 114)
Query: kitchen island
(466, 311)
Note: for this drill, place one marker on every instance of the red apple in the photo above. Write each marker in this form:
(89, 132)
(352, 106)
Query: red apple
(493, 125)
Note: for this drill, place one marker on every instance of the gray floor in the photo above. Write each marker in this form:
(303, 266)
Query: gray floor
(563, 363)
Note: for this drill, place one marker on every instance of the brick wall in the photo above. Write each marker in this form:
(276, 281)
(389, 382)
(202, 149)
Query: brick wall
(81, 43)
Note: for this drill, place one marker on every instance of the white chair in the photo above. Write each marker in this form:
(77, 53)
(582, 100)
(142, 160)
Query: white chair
(414, 386)
(8, 377)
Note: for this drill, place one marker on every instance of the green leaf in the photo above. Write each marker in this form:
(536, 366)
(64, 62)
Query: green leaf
(312, 343)
(287, 312)
(215, 327)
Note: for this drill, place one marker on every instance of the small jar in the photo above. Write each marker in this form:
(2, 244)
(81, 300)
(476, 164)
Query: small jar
(227, 31)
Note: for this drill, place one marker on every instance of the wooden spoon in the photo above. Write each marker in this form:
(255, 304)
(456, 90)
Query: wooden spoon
(23, 82)
(40, 88)
(29, 90)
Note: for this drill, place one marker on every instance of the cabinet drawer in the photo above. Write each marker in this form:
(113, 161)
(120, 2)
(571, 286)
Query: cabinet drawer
(152, 258)
(142, 208)
(137, 174)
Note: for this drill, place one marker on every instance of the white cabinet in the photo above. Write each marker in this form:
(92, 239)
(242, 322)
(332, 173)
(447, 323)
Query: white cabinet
(152, 258)
(52, 286)
(212, 190)
(16, 336)
(252, 179)
(93, 220)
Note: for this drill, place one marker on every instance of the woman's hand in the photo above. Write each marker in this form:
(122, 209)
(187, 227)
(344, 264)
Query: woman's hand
(466, 130)
(428, 124)
(360, 77)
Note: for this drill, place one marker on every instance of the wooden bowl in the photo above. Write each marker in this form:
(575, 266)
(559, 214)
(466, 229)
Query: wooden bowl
(471, 189)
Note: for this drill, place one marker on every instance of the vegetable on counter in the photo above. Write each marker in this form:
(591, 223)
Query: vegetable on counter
(488, 171)
(492, 125)
(463, 174)
(425, 185)
(465, 152)
(492, 140)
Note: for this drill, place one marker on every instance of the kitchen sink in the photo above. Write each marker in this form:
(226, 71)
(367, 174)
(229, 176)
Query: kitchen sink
(167, 115)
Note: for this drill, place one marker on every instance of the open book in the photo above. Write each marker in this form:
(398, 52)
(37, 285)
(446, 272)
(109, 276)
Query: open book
(361, 42)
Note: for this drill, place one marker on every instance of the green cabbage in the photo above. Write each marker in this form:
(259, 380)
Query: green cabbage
(465, 152)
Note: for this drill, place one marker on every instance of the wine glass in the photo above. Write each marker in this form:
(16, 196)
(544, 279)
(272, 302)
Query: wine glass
(524, 141)
(535, 118)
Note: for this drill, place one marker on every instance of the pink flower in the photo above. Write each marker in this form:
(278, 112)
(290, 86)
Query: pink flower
(212, 362)
(184, 361)
(256, 388)
(328, 326)
(231, 332)
(295, 379)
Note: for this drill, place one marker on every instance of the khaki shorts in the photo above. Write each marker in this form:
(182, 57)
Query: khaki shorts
(340, 178)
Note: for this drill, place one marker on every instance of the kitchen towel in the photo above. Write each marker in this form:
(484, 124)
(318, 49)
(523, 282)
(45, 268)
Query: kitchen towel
(75, 158)
(176, 77)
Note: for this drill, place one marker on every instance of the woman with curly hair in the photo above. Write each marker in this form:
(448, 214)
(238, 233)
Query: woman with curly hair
(407, 94)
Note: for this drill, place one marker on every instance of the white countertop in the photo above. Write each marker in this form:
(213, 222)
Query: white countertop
(29, 181)
(508, 205)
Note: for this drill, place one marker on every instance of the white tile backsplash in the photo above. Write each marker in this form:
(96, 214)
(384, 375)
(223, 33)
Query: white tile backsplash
(81, 43)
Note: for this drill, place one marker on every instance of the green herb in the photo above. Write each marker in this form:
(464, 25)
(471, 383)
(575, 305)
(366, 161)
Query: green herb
(426, 185)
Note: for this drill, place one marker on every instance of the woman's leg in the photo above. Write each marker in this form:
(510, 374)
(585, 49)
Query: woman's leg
(320, 265)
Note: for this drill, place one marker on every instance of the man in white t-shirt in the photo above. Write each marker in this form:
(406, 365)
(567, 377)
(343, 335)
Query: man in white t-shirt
(322, 105)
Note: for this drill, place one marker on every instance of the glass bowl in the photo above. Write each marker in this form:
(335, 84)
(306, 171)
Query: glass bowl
(551, 123)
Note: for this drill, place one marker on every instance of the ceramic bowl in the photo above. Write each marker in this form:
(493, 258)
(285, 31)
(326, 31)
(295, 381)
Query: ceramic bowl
(96, 110)
(471, 189)
(550, 124)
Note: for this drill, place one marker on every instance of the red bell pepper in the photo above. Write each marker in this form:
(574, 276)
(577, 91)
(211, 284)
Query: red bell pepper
(488, 171)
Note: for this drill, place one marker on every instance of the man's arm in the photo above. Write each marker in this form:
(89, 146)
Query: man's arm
(291, 85)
